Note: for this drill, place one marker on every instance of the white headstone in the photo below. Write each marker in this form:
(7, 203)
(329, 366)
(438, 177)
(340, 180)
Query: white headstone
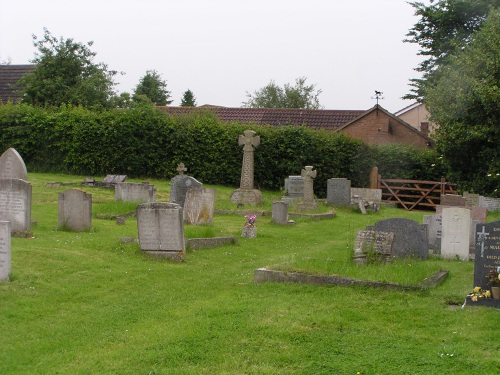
(12, 165)
(5, 250)
(455, 236)
(15, 203)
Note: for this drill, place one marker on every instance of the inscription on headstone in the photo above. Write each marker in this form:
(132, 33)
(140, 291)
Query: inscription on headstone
(161, 229)
(5, 250)
(456, 232)
(15, 203)
(338, 191)
(373, 241)
(75, 210)
(491, 204)
(487, 252)
(12, 165)
(199, 206)
(294, 186)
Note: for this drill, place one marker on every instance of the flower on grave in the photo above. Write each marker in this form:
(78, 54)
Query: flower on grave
(493, 278)
(478, 293)
(251, 220)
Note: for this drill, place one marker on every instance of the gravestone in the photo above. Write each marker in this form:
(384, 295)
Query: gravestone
(434, 229)
(491, 204)
(246, 194)
(15, 203)
(199, 206)
(410, 237)
(453, 200)
(456, 233)
(294, 186)
(12, 165)
(161, 229)
(308, 202)
(75, 210)
(338, 191)
(366, 198)
(280, 213)
(373, 241)
(471, 200)
(476, 213)
(130, 192)
(5, 250)
(179, 186)
(487, 256)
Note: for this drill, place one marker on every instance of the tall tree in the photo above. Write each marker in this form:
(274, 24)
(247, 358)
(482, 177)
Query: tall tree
(154, 87)
(288, 96)
(465, 102)
(66, 73)
(444, 27)
(188, 99)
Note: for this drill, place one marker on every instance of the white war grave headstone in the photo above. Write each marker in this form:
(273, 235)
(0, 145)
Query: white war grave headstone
(5, 250)
(75, 210)
(161, 229)
(455, 233)
(246, 194)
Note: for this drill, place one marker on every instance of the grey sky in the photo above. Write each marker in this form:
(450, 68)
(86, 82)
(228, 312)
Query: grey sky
(222, 49)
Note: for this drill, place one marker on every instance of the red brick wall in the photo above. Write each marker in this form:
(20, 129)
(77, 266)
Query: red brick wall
(377, 128)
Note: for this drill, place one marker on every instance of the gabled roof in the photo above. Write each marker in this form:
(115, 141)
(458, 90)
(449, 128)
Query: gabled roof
(408, 108)
(9, 75)
(312, 118)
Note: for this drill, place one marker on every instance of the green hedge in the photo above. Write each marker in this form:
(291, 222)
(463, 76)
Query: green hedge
(145, 142)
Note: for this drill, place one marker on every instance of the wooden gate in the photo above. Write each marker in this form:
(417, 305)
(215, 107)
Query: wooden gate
(414, 194)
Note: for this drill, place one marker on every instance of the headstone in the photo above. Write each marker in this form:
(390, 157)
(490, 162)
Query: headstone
(453, 200)
(12, 165)
(491, 204)
(130, 192)
(114, 179)
(179, 186)
(476, 213)
(308, 175)
(161, 229)
(410, 237)
(456, 233)
(246, 194)
(294, 186)
(366, 198)
(15, 203)
(338, 191)
(199, 206)
(75, 210)
(471, 200)
(5, 250)
(434, 229)
(280, 213)
(373, 241)
(487, 256)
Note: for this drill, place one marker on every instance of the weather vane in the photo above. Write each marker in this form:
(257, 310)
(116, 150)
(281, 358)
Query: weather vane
(378, 96)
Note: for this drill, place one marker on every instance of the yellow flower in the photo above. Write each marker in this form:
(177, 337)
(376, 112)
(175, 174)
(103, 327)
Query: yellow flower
(477, 289)
(487, 294)
(474, 298)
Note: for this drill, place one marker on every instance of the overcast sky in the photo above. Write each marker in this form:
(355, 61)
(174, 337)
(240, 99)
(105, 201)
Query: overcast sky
(222, 49)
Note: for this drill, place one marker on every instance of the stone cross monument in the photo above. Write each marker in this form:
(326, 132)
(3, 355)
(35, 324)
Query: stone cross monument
(308, 202)
(246, 194)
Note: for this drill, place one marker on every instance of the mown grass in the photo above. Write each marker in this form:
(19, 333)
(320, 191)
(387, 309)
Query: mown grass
(85, 303)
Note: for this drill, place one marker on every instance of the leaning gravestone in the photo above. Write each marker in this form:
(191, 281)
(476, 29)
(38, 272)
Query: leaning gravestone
(410, 237)
(179, 186)
(199, 206)
(487, 252)
(434, 229)
(280, 213)
(161, 229)
(5, 250)
(15, 203)
(130, 192)
(455, 236)
(75, 210)
(12, 165)
(338, 191)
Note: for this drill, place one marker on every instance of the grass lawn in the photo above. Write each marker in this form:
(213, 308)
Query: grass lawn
(85, 303)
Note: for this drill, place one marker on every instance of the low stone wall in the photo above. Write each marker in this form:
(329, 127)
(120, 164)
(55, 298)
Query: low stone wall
(204, 243)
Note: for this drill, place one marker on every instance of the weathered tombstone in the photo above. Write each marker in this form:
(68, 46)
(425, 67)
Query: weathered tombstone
(410, 237)
(280, 212)
(161, 229)
(75, 210)
(130, 192)
(246, 194)
(366, 198)
(487, 252)
(453, 200)
(476, 213)
(434, 229)
(15, 203)
(308, 202)
(471, 200)
(491, 204)
(12, 165)
(338, 191)
(294, 186)
(179, 186)
(370, 241)
(5, 250)
(199, 206)
(456, 232)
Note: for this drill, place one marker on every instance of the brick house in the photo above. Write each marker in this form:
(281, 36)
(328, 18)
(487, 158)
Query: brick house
(375, 126)
(9, 75)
